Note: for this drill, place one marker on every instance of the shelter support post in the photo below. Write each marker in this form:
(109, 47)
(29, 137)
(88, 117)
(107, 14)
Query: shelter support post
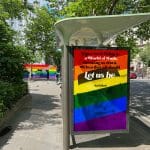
(65, 98)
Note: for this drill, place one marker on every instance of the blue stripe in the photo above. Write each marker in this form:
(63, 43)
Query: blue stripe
(100, 109)
(53, 74)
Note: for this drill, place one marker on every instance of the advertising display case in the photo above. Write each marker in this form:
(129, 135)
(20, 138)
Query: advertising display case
(100, 89)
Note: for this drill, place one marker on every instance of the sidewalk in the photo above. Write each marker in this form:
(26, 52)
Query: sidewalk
(38, 126)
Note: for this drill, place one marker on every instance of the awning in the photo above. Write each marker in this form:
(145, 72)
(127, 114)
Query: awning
(96, 30)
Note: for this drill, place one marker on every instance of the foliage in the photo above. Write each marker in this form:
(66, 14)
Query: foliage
(14, 8)
(82, 8)
(10, 93)
(107, 7)
(12, 60)
(12, 57)
(99, 7)
(40, 34)
(7, 94)
(143, 31)
(143, 6)
(54, 7)
(145, 55)
(57, 58)
(128, 42)
(3, 14)
(6, 34)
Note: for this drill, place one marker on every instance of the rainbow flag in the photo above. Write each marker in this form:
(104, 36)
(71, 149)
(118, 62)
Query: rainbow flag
(40, 70)
(100, 89)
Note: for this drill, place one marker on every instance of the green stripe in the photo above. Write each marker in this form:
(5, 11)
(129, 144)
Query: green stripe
(84, 99)
(52, 71)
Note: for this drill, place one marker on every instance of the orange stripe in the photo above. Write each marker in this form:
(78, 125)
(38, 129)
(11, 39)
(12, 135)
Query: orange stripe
(38, 67)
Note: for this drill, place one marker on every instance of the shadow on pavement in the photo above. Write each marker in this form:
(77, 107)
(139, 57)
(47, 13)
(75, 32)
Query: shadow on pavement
(132, 139)
(40, 79)
(42, 110)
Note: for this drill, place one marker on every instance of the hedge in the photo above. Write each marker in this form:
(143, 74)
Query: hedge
(10, 94)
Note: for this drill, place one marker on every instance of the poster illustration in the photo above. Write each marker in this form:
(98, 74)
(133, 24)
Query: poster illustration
(100, 89)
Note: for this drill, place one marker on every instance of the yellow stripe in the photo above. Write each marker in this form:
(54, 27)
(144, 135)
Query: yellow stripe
(34, 69)
(101, 83)
(52, 69)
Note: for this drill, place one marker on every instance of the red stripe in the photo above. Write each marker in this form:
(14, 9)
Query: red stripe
(81, 54)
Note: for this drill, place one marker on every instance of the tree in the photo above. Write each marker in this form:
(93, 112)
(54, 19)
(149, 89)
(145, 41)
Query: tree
(14, 8)
(57, 58)
(3, 14)
(12, 56)
(128, 40)
(82, 8)
(111, 7)
(145, 55)
(143, 31)
(98, 7)
(40, 34)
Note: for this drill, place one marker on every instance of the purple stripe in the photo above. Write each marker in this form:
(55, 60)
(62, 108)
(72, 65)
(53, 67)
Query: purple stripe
(112, 122)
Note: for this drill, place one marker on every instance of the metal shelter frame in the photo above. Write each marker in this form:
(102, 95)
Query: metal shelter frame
(87, 31)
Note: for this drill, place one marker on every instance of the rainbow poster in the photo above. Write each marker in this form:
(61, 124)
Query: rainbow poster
(100, 89)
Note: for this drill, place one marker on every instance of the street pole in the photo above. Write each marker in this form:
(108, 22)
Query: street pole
(65, 100)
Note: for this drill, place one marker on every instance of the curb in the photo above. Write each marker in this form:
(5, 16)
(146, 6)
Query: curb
(144, 118)
(10, 113)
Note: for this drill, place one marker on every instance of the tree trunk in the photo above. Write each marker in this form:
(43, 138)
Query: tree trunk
(112, 6)
(25, 3)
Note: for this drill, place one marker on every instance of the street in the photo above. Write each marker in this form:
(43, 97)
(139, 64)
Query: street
(38, 126)
(140, 97)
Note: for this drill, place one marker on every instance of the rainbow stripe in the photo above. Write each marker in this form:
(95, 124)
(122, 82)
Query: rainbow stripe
(40, 70)
(100, 103)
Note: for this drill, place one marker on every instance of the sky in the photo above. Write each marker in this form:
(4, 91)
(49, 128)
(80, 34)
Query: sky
(41, 2)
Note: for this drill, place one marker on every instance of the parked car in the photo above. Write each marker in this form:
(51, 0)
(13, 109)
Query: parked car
(133, 75)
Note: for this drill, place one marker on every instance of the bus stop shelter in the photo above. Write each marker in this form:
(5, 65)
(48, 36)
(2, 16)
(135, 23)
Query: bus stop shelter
(87, 31)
